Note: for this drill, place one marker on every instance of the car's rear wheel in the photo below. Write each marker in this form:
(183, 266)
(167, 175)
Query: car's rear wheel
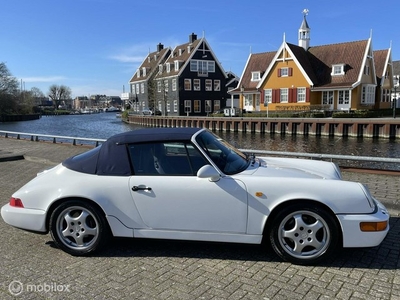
(304, 234)
(78, 227)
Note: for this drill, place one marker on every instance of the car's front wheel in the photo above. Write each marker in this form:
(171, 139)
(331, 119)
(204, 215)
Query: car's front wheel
(78, 228)
(304, 234)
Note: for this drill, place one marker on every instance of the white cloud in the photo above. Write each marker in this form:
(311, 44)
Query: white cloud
(43, 79)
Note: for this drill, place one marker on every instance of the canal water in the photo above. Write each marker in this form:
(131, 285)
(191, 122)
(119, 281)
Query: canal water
(104, 125)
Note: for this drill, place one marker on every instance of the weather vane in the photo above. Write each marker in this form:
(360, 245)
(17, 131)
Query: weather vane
(305, 12)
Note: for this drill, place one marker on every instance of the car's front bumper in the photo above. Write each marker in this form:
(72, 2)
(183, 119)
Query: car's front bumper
(24, 218)
(352, 234)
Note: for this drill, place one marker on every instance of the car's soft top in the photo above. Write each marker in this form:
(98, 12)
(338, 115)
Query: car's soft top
(111, 158)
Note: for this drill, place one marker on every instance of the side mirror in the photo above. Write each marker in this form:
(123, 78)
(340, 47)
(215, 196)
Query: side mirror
(209, 172)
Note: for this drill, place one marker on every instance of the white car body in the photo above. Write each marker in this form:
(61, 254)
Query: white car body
(211, 206)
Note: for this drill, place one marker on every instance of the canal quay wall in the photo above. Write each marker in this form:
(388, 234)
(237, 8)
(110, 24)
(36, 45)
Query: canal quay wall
(372, 128)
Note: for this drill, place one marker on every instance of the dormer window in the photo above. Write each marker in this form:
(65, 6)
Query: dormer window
(160, 68)
(337, 70)
(180, 52)
(168, 67)
(255, 76)
(144, 71)
(176, 63)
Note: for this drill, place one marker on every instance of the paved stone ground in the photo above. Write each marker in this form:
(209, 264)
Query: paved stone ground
(153, 269)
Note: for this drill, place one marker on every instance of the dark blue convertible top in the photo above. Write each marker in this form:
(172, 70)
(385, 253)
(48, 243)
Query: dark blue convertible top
(112, 158)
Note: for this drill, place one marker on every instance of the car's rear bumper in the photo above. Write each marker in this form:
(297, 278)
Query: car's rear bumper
(24, 218)
(352, 234)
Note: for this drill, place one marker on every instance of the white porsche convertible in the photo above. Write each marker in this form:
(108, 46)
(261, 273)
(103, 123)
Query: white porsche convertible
(188, 184)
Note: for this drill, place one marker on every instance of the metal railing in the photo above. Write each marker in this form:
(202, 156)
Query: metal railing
(73, 140)
(37, 137)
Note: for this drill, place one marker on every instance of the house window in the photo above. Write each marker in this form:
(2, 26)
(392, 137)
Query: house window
(267, 97)
(327, 97)
(366, 70)
(217, 85)
(284, 72)
(174, 84)
(211, 66)
(168, 106)
(159, 106)
(176, 63)
(168, 67)
(248, 100)
(284, 95)
(368, 94)
(165, 85)
(137, 88)
(255, 76)
(196, 84)
(144, 71)
(175, 105)
(160, 68)
(344, 97)
(217, 105)
(133, 89)
(301, 94)
(188, 106)
(159, 86)
(197, 106)
(208, 85)
(337, 70)
(142, 88)
(188, 84)
(202, 67)
(208, 106)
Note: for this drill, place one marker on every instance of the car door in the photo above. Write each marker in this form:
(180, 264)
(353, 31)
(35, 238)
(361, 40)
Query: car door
(169, 196)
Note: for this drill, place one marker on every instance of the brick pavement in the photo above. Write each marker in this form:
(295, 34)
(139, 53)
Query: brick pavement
(153, 269)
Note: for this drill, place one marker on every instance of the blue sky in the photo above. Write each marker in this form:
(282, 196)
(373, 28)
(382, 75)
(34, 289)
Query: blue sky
(95, 46)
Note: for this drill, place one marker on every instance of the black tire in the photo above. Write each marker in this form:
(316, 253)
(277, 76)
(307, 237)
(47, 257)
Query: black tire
(78, 228)
(304, 234)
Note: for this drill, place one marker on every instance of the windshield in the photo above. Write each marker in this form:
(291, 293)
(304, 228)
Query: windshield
(227, 158)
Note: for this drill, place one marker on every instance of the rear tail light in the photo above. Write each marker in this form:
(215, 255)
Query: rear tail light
(16, 202)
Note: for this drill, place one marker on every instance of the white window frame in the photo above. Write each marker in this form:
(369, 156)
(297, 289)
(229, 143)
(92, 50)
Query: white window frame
(159, 86)
(217, 105)
(255, 76)
(217, 85)
(196, 84)
(175, 105)
(301, 94)
(343, 97)
(327, 97)
(337, 70)
(208, 85)
(188, 106)
(284, 95)
(267, 96)
(166, 85)
(284, 72)
(142, 87)
(368, 94)
(168, 67)
(207, 107)
(174, 84)
(133, 89)
(197, 106)
(144, 71)
(176, 65)
(189, 81)
(168, 106)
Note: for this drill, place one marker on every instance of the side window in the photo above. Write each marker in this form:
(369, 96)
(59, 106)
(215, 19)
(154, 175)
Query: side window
(166, 159)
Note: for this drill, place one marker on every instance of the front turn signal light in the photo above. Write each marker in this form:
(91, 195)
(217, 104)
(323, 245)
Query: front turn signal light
(373, 226)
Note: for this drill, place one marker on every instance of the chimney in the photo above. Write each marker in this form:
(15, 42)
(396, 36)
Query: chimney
(160, 47)
(192, 38)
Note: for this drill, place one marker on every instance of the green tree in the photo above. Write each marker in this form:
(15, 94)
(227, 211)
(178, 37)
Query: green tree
(9, 92)
(58, 94)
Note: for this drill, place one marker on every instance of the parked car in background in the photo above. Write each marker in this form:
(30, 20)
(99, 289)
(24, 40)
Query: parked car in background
(151, 112)
(189, 184)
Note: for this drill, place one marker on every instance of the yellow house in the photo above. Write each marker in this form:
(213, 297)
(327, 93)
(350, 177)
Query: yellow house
(336, 77)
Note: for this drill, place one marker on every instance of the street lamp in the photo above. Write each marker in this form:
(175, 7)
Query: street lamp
(396, 83)
(241, 92)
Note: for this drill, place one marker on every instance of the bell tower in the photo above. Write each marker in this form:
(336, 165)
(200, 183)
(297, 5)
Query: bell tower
(304, 32)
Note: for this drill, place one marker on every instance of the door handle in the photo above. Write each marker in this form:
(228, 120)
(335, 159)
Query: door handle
(136, 188)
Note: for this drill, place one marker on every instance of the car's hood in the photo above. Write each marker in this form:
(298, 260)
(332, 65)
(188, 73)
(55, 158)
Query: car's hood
(295, 168)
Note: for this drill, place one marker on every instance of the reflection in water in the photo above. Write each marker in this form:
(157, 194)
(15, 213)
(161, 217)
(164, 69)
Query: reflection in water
(104, 125)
